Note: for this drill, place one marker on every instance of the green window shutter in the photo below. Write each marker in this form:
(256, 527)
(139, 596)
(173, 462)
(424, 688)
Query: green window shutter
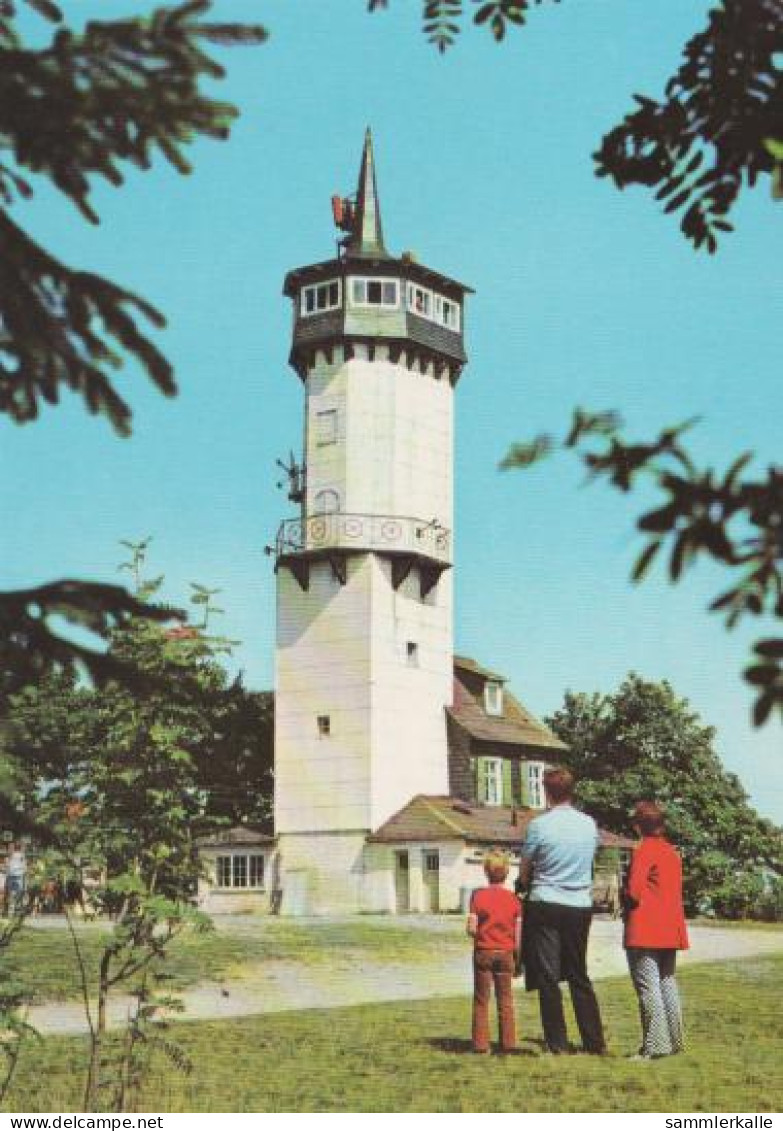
(478, 774)
(508, 787)
(524, 792)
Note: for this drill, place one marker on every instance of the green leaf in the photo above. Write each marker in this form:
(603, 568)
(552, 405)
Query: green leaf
(774, 147)
(771, 649)
(762, 708)
(646, 558)
(524, 455)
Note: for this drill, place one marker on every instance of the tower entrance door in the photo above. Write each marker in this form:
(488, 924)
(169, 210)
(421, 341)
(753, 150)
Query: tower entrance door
(402, 882)
(431, 881)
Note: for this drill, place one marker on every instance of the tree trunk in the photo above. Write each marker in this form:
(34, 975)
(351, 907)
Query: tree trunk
(97, 1035)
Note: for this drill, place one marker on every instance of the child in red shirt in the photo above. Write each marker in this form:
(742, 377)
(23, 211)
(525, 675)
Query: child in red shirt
(495, 923)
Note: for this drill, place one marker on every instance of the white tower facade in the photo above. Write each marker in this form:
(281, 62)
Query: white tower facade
(364, 588)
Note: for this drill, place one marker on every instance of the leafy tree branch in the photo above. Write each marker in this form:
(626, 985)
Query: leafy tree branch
(31, 645)
(84, 106)
(717, 128)
(88, 104)
(730, 518)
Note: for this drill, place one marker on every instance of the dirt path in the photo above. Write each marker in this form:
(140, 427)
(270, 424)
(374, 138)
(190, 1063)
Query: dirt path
(355, 978)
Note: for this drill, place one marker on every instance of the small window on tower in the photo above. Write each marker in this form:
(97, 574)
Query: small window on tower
(412, 654)
(326, 427)
(326, 502)
(419, 301)
(324, 726)
(374, 292)
(320, 297)
(450, 315)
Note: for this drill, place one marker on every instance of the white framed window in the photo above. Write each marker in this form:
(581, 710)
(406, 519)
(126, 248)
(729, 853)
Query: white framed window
(434, 307)
(449, 314)
(326, 427)
(493, 697)
(375, 292)
(419, 300)
(534, 772)
(490, 783)
(320, 297)
(240, 870)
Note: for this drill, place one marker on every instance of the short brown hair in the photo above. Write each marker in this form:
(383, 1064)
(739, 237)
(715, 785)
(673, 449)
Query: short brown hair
(649, 817)
(496, 866)
(559, 784)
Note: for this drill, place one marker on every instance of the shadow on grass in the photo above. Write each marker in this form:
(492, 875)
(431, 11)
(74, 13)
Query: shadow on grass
(459, 1046)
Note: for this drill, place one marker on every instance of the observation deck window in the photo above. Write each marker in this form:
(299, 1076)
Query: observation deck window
(321, 297)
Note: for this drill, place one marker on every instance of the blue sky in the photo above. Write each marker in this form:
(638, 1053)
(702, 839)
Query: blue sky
(583, 296)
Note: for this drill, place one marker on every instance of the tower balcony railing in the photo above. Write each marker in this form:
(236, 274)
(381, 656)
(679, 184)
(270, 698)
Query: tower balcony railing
(390, 534)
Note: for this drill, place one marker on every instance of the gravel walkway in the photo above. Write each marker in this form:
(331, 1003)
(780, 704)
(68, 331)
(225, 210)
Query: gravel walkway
(355, 978)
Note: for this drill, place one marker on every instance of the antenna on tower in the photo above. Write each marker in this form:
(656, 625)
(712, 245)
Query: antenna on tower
(344, 216)
(344, 212)
(295, 478)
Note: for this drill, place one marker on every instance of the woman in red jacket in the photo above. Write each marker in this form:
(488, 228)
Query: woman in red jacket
(654, 932)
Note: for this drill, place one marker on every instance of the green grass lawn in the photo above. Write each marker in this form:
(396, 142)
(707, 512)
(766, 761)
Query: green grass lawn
(43, 961)
(414, 1057)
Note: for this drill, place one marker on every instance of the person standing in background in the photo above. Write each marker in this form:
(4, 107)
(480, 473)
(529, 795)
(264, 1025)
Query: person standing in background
(556, 868)
(494, 924)
(654, 931)
(16, 877)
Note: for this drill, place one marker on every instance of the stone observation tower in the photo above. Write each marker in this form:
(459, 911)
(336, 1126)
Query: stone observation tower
(364, 660)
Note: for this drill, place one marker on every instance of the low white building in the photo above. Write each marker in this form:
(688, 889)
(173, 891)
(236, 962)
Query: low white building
(239, 871)
(426, 857)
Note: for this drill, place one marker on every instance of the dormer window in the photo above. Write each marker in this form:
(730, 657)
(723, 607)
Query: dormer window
(493, 697)
(375, 292)
(320, 297)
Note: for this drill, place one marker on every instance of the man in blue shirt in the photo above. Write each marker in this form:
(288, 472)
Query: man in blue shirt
(556, 869)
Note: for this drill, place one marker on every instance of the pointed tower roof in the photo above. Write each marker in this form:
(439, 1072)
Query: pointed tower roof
(366, 241)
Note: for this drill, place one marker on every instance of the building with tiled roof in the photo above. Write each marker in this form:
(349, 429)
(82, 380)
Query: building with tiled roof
(449, 818)
(497, 748)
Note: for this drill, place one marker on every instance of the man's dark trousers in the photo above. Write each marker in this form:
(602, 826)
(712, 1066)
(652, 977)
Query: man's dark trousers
(556, 948)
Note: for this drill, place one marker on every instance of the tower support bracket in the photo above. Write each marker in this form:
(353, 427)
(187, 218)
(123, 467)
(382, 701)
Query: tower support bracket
(429, 575)
(339, 565)
(401, 567)
(300, 568)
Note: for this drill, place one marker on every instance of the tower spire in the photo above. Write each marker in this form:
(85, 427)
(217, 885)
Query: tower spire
(366, 240)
